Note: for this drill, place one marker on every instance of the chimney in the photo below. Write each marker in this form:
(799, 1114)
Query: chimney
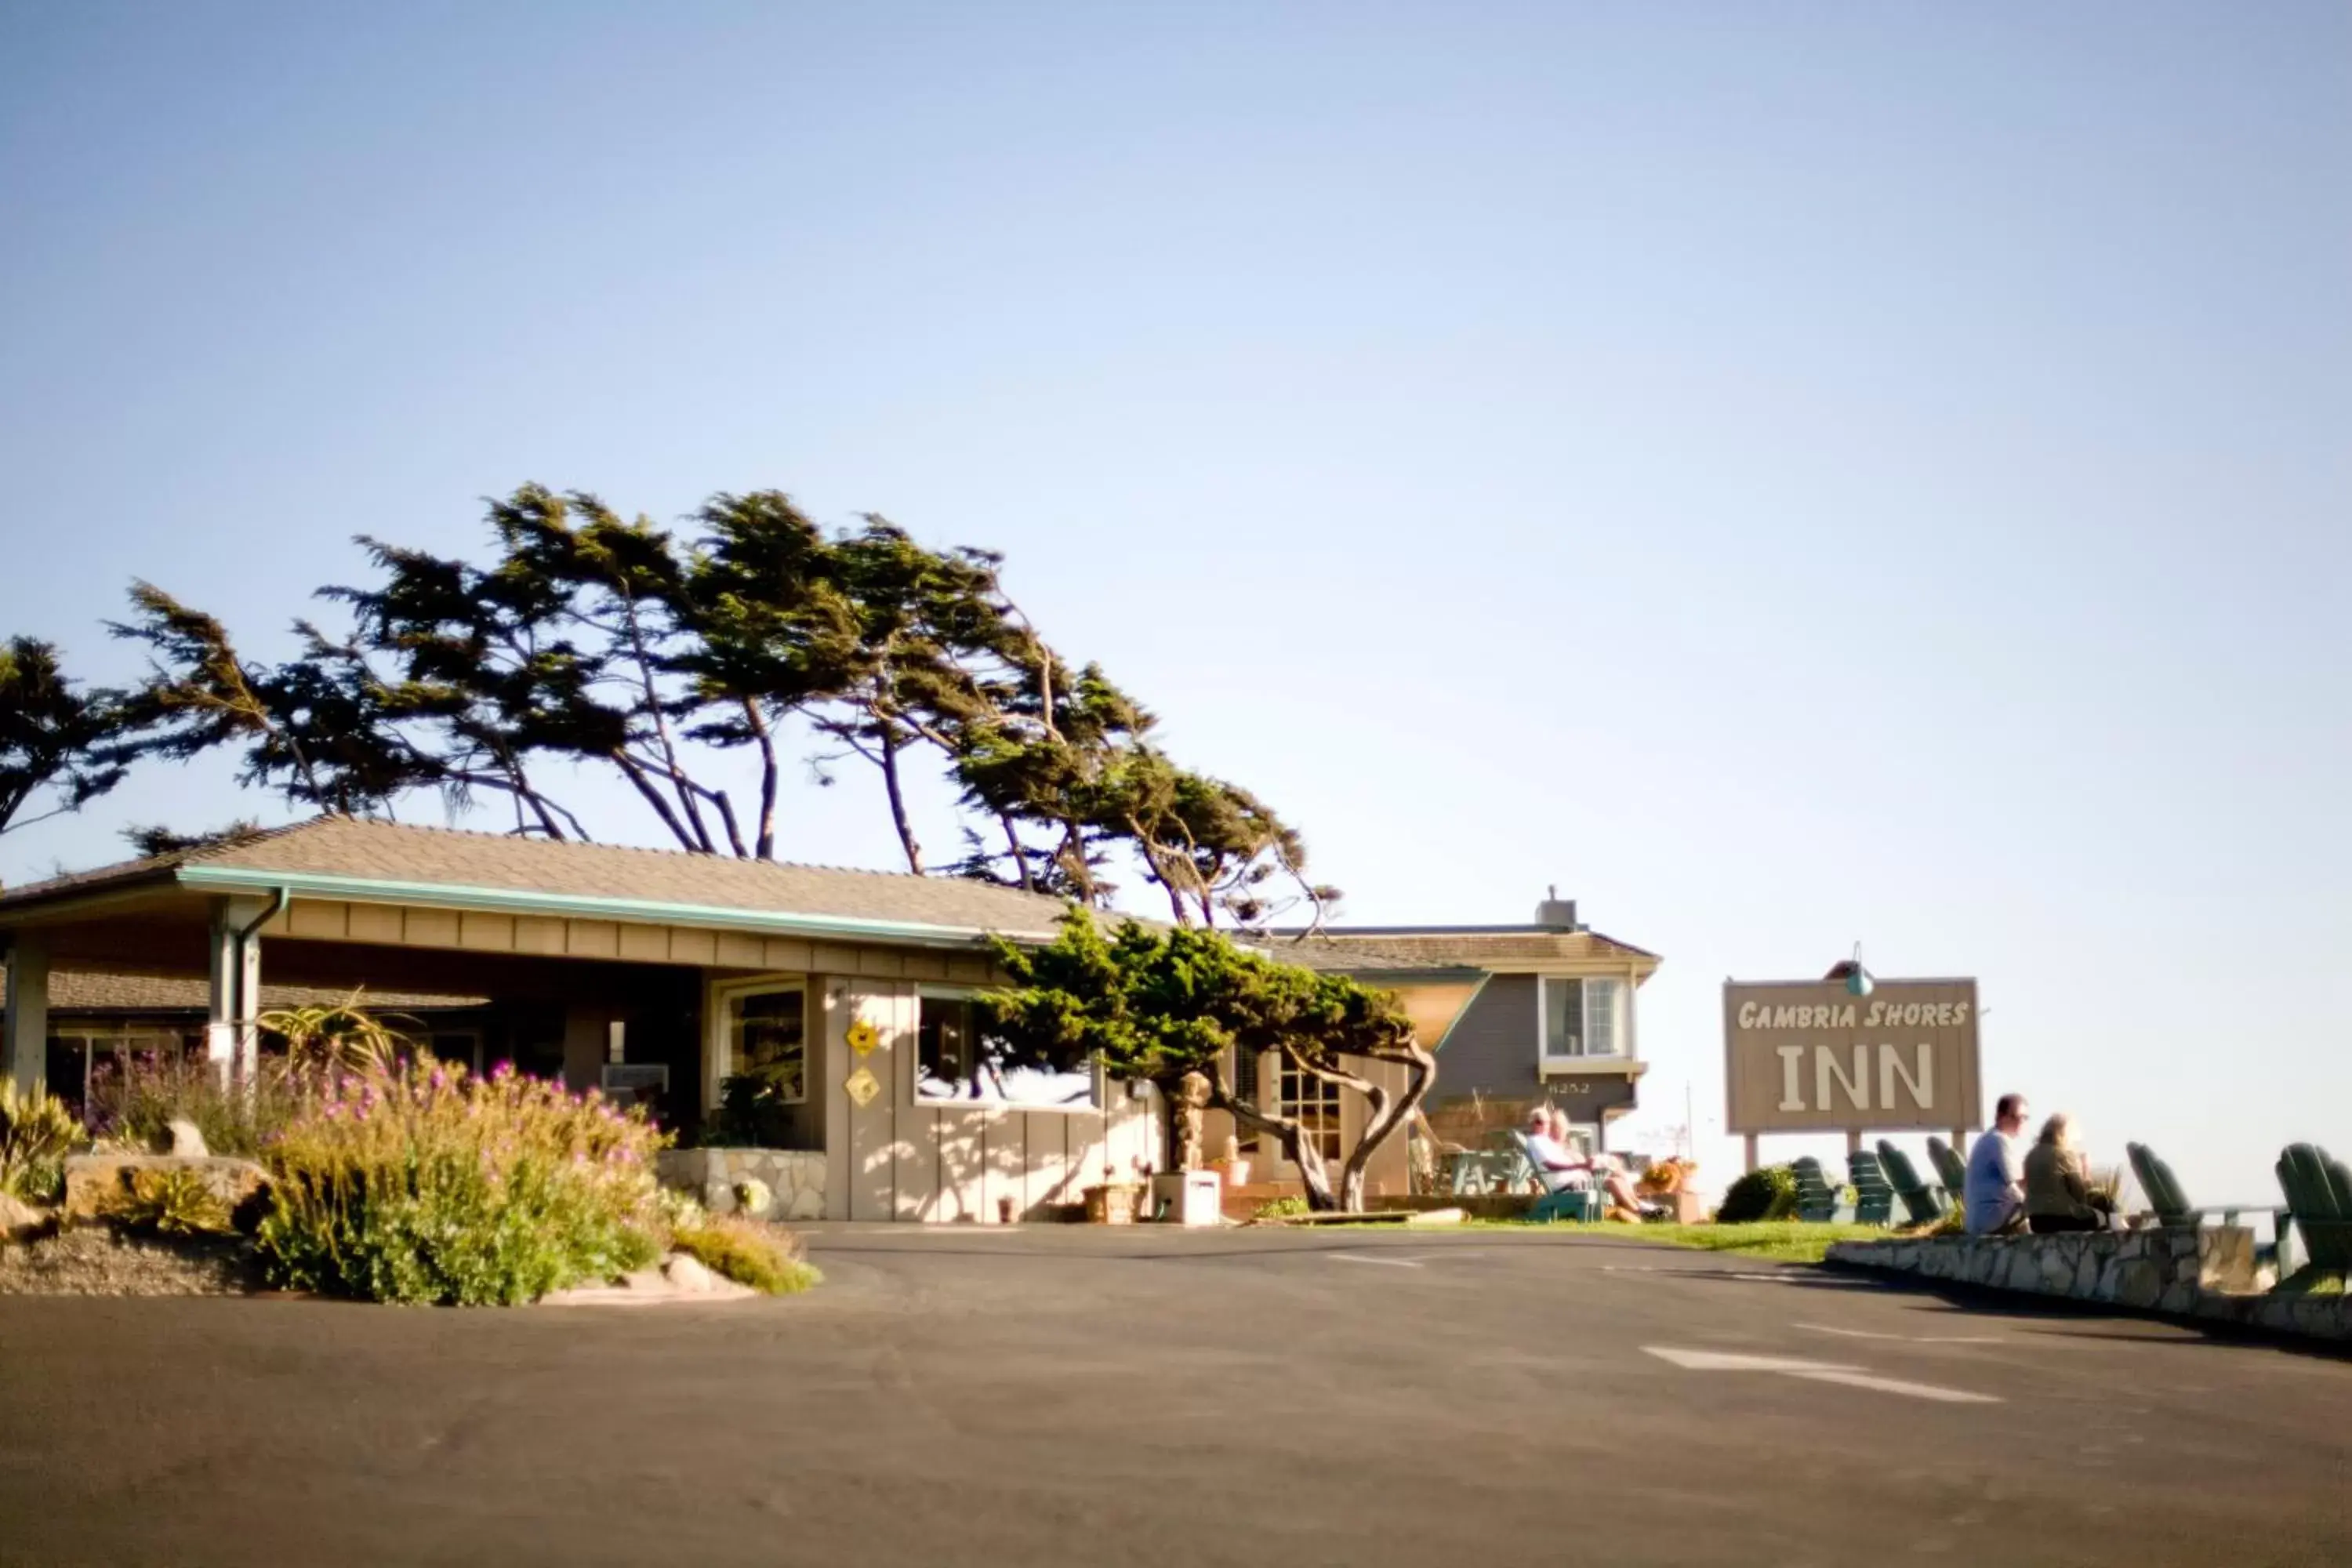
(1555, 913)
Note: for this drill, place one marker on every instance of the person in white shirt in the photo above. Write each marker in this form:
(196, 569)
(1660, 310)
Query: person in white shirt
(1561, 1171)
(1995, 1194)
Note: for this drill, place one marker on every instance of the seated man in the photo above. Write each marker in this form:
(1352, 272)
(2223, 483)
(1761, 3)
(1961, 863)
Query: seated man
(1995, 1198)
(1561, 1171)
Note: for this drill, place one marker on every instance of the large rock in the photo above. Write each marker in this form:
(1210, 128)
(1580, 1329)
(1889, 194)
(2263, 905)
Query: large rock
(95, 1183)
(687, 1273)
(21, 1221)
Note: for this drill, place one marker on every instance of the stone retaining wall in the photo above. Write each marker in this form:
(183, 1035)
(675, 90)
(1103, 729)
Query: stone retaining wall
(794, 1179)
(2209, 1273)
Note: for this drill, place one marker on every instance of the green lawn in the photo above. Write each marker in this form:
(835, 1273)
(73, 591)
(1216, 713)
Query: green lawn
(1789, 1240)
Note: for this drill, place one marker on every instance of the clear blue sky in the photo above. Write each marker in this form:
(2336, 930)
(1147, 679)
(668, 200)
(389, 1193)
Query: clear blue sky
(1785, 474)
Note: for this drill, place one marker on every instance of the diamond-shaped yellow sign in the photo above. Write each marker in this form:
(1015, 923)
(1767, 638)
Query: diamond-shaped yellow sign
(862, 1087)
(864, 1036)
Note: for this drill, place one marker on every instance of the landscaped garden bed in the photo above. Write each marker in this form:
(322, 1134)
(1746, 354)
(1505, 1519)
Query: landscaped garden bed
(361, 1172)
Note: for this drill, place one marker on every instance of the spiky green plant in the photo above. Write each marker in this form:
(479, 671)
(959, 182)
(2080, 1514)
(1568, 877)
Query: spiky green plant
(37, 1133)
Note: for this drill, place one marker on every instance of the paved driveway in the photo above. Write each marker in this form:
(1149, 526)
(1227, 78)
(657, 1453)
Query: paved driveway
(1091, 1398)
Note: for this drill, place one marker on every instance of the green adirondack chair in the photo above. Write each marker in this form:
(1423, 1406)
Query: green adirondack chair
(2319, 1205)
(2166, 1199)
(1874, 1194)
(1566, 1203)
(1926, 1204)
(1950, 1170)
(1817, 1200)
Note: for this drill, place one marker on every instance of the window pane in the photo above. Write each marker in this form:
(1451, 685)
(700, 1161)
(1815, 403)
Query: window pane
(767, 1038)
(1563, 1018)
(1314, 1103)
(953, 1060)
(1601, 1017)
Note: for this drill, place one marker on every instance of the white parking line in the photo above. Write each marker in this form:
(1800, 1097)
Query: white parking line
(1814, 1371)
(1905, 1339)
(1384, 1262)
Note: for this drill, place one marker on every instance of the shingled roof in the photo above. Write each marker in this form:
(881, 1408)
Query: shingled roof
(420, 860)
(87, 991)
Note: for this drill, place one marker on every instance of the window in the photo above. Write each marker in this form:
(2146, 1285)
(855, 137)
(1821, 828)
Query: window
(1314, 1102)
(460, 1046)
(767, 1038)
(1583, 1017)
(956, 1061)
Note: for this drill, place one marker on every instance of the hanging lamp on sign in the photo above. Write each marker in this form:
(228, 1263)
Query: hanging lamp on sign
(1858, 980)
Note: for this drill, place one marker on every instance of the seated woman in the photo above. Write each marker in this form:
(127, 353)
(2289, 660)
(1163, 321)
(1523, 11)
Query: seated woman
(2057, 1197)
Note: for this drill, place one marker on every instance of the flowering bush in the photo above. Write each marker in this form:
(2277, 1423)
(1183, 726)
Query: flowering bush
(749, 1253)
(422, 1184)
(134, 1098)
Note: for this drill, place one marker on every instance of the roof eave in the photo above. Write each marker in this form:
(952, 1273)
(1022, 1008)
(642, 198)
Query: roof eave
(507, 901)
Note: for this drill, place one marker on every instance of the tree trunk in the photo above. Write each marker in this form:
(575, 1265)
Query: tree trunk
(1312, 1173)
(1389, 1113)
(1020, 855)
(652, 797)
(768, 778)
(889, 737)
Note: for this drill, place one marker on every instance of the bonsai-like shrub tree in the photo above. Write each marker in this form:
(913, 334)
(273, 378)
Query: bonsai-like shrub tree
(1158, 1003)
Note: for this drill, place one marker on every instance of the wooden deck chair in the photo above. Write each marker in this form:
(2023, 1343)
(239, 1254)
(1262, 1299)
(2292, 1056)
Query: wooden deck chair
(1924, 1203)
(2166, 1199)
(1817, 1200)
(1874, 1194)
(1950, 1170)
(2319, 1205)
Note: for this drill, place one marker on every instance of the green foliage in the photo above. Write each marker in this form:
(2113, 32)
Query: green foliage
(171, 1203)
(1767, 1192)
(585, 639)
(749, 1253)
(72, 744)
(133, 1100)
(1281, 1209)
(37, 1133)
(434, 1186)
(1155, 1004)
(342, 1037)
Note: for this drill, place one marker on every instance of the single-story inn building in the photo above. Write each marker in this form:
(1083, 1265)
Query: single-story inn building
(658, 976)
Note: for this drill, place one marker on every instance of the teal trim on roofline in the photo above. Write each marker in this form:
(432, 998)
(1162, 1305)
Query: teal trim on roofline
(508, 901)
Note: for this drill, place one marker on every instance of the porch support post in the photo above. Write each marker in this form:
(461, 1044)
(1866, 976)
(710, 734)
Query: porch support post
(224, 971)
(232, 1039)
(24, 1049)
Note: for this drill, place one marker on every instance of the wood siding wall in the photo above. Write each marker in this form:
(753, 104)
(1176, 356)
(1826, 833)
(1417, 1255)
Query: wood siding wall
(895, 1159)
(398, 925)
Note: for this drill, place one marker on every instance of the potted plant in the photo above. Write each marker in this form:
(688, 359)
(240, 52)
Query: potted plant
(1231, 1168)
(1112, 1201)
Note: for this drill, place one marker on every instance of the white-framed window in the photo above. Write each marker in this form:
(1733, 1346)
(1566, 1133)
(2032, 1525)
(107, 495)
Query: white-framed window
(1313, 1101)
(763, 1032)
(958, 1062)
(1582, 1016)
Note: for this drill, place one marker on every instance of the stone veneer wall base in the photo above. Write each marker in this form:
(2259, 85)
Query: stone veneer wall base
(2209, 1275)
(793, 1178)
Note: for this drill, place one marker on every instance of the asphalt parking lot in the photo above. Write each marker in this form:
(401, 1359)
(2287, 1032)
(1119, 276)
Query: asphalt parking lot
(1084, 1396)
